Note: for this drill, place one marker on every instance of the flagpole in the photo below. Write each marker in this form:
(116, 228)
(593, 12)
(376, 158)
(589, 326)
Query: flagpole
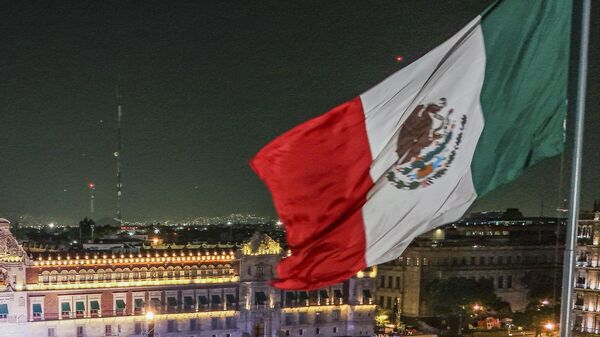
(570, 253)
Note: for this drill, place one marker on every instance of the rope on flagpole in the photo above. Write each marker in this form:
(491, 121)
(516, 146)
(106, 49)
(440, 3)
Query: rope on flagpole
(570, 253)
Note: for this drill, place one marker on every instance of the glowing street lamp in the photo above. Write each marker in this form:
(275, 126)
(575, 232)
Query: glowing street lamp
(549, 326)
(150, 322)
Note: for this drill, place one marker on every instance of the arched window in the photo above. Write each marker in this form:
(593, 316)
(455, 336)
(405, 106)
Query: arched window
(64, 276)
(136, 273)
(45, 277)
(99, 275)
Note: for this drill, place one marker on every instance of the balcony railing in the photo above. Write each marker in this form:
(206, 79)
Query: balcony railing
(122, 312)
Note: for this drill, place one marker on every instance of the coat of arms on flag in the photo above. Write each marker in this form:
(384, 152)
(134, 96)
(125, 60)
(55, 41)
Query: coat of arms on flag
(427, 145)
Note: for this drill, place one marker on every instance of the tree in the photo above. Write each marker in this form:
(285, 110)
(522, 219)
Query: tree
(535, 316)
(462, 297)
(382, 317)
(457, 294)
(538, 286)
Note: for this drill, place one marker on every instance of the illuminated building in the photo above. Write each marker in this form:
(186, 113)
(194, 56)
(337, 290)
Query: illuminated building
(192, 290)
(587, 276)
(493, 248)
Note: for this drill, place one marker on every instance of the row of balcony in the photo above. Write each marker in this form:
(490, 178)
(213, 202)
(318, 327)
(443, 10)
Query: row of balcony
(108, 278)
(36, 316)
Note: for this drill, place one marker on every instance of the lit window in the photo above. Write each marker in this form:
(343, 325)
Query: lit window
(3, 310)
(79, 308)
(94, 307)
(65, 309)
(36, 310)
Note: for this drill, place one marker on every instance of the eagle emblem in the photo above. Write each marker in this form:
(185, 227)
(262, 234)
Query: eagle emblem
(427, 145)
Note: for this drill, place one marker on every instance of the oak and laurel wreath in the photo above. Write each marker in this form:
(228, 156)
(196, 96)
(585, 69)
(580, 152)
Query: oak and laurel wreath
(391, 176)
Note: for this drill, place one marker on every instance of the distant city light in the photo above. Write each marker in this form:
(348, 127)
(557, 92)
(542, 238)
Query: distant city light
(74, 242)
(51, 225)
(399, 58)
(91, 186)
(156, 231)
(279, 223)
(549, 326)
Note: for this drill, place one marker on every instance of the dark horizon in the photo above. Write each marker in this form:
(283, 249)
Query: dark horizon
(205, 86)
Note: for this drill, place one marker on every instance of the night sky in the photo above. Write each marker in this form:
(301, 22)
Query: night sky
(205, 85)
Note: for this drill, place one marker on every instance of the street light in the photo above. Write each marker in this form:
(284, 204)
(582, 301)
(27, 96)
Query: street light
(150, 322)
(549, 326)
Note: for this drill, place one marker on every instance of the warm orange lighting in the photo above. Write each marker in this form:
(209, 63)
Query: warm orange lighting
(149, 315)
(549, 326)
(476, 307)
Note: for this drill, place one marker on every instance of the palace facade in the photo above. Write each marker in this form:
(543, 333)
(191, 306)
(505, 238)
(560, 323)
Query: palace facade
(192, 291)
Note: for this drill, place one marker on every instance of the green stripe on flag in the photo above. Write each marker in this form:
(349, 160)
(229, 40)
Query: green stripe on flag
(524, 94)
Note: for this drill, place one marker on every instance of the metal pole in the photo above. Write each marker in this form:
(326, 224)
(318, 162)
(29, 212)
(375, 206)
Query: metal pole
(570, 253)
(117, 153)
(92, 202)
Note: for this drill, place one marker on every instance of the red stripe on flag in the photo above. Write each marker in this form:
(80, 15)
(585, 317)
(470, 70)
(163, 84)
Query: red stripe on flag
(318, 175)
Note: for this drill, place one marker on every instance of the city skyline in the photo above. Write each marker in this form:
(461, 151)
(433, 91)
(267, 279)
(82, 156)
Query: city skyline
(204, 87)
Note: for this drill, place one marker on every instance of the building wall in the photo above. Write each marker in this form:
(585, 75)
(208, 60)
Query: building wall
(504, 265)
(257, 309)
(586, 302)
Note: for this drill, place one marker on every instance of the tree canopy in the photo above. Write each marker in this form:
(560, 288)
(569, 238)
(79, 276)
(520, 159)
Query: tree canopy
(457, 294)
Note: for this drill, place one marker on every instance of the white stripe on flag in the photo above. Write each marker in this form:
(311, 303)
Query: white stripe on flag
(454, 71)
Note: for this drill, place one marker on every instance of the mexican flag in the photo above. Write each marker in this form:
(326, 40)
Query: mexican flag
(357, 184)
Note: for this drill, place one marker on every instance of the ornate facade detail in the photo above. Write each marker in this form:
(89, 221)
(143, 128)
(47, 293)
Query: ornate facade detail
(10, 250)
(261, 244)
